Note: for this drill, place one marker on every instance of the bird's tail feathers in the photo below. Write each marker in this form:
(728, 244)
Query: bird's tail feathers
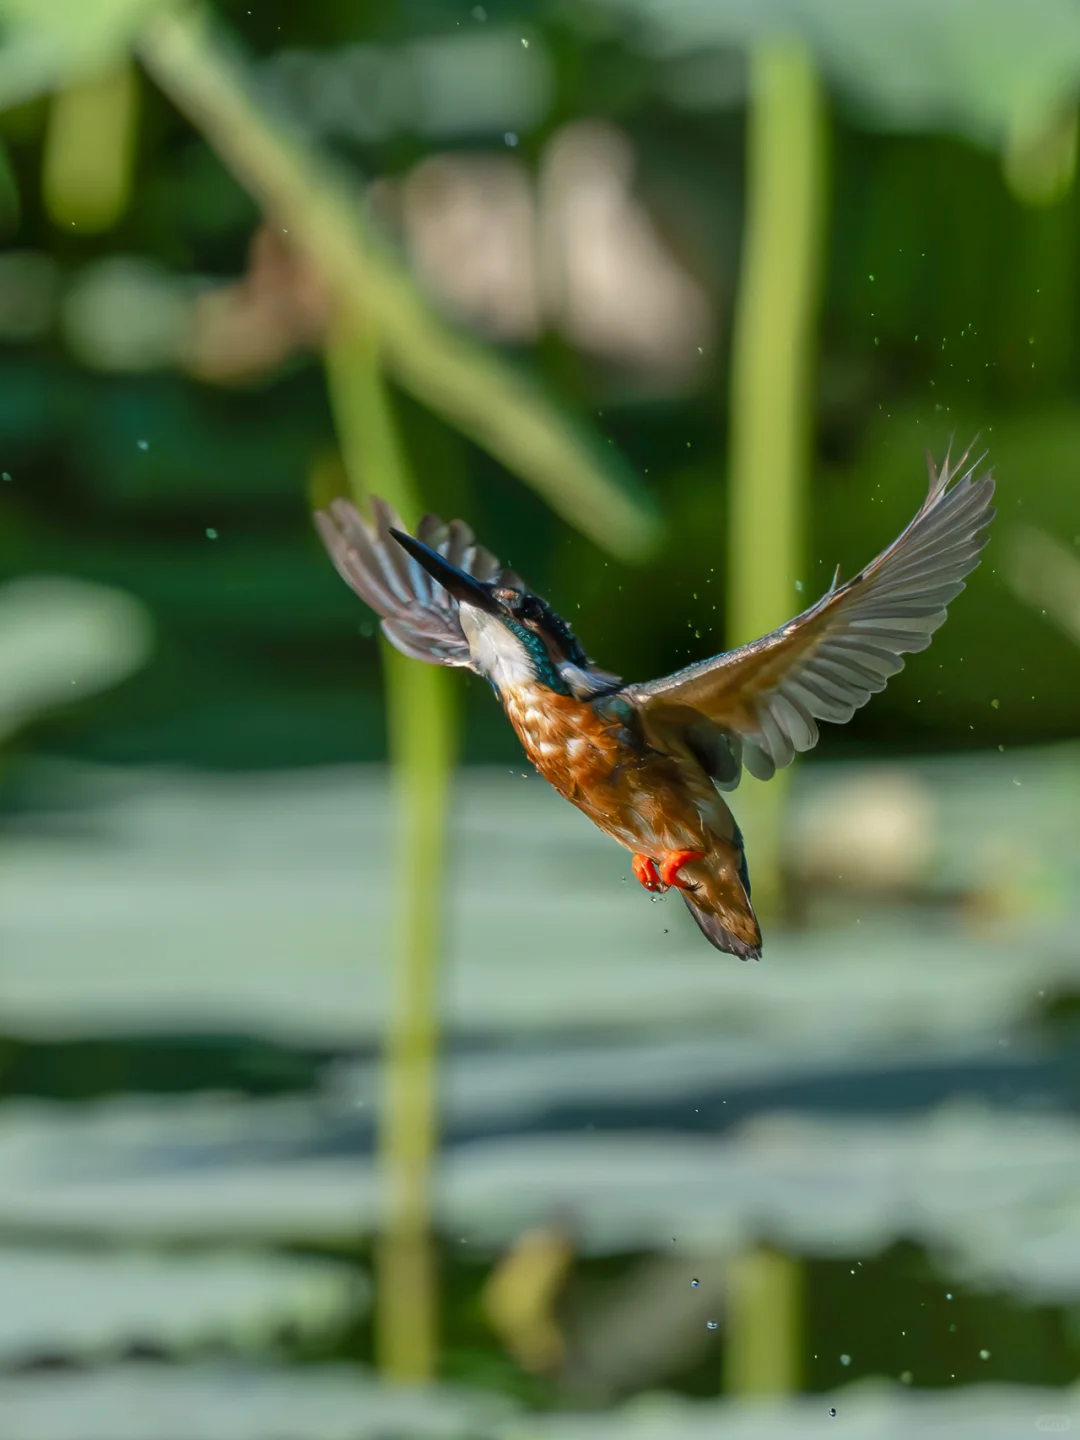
(720, 902)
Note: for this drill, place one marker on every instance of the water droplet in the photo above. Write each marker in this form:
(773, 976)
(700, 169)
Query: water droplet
(694, 1284)
(7, 478)
(948, 1294)
(906, 1377)
(510, 139)
(713, 1324)
(143, 444)
(996, 704)
(984, 1354)
(832, 1411)
(845, 1359)
(211, 533)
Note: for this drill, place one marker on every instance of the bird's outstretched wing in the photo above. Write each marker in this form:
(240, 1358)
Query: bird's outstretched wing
(760, 704)
(418, 617)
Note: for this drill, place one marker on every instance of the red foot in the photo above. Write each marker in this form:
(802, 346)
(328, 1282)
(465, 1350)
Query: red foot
(645, 873)
(673, 862)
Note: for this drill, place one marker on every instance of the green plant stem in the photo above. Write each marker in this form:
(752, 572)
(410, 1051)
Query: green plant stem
(422, 728)
(764, 1310)
(89, 151)
(772, 359)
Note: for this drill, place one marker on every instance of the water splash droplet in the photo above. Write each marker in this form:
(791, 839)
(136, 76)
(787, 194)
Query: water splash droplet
(845, 1359)
(143, 444)
(694, 1284)
(713, 1324)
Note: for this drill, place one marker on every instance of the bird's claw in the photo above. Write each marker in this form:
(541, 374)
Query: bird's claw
(646, 874)
(673, 862)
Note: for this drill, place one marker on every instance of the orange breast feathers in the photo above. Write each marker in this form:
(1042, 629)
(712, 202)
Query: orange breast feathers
(564, 738)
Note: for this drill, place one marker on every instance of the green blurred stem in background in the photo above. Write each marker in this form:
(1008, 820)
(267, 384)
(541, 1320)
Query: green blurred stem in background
(89, 151)
(764, 1295)
(422, 724)
(772, 364)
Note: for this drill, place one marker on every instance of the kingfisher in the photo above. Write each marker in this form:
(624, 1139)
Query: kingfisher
(650, 763)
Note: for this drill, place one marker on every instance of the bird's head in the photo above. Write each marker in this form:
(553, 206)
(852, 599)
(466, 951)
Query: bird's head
(515, 638)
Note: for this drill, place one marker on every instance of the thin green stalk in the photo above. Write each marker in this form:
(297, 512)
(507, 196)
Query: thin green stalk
(773, 349)
(772, 359)
(764, 1308)
(90, 151)
(422, 727)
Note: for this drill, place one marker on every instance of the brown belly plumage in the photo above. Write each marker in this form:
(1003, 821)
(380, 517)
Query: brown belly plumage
(649, 802)
(641, 798)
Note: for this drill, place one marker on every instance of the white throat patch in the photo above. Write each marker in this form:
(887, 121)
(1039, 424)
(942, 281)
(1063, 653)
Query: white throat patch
(495, 650)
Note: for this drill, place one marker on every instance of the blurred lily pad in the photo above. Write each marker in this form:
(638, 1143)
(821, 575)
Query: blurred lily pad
(62, 639)
(80, 1302)
(979, 68)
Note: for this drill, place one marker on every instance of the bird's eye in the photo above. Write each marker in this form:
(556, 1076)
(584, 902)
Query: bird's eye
(529, 608)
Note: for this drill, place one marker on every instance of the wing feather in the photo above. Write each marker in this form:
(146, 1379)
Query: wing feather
(767, 697)
(418, 617)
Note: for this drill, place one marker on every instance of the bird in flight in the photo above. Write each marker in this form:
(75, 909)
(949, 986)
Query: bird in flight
(649, 763)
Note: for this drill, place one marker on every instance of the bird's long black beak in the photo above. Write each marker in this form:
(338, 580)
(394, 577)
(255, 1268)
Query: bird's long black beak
(456, 582)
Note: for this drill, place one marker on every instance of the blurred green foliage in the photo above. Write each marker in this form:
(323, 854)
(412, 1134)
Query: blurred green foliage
(949, 306)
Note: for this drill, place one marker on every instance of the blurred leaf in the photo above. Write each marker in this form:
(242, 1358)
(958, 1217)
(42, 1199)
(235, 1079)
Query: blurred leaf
(981, 68)
(468, 384)
(520, 1295)
(48, 43)
(61, 639)
(1046, 574)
